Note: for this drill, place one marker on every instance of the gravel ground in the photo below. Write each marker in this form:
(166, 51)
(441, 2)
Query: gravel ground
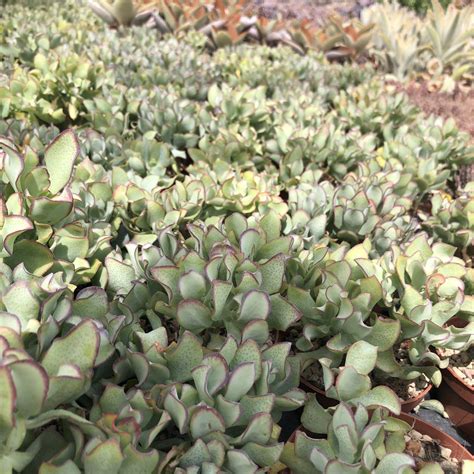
(315, 10)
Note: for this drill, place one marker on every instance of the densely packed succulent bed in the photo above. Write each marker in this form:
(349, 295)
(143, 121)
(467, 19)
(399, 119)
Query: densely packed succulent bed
(188, 235)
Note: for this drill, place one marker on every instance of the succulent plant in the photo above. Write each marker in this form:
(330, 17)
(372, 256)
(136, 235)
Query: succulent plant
(341, 40)
(33, 388)
(211, 406)
(230, 276)
(225, 221)
(373, 109)
(369, 207)
(54, 90)
(40, 205)
(120, 12)
(451, 220)
(337, 310)
(238, 191)
(424, 288)
(406, 44)
(172, 119)
(310, 204)
(448, 34)
(328, 146)
(396, 39)
(356, 441)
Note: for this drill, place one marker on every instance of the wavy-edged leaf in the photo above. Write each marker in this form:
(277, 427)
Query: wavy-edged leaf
(59, 158)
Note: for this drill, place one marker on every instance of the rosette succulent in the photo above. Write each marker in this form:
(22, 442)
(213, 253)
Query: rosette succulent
(225, 224)
(41, 226)
(452, 220)
(370, 206)
(310, 204)
(424, 288)
(55, 90)
(119, 12)
(356, 441)
(210, 406)
(227, 276)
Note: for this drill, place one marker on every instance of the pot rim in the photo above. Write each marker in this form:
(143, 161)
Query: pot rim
(420, 425)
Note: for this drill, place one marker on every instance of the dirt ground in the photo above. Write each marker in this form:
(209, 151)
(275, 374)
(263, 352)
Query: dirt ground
(459, 105)
(315, 10)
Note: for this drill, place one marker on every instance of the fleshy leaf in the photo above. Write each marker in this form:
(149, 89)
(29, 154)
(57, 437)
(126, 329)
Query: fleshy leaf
(79, 347)
(7, 402)
(362, 356)
(380, 396)
(186, 355)
(31, 386)
(13, 226)
(315, 418)
(205, 420)
(273, 273)
(104, 458)
(59, 158)
(394, 462)
(194, 316)
(240, 382)
(282, 314)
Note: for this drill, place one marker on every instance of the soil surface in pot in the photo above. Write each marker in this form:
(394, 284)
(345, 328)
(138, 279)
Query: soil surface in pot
(425, 449)
(405, 389)
(462, 364)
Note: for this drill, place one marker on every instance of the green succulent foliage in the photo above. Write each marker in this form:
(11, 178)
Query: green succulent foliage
(55, 216)
(209, 405)
(33, 388)
(53, 90)
(227, 276)
(356, 442)
(406, 44)
(337, 306)
(148, 205)
(370, 108)
(452, 220)
(211, 206)
(363, 208)
(372, 202)
(425, 287)
(396, 38)
(245, 192)
(310, 203)
(448, 34)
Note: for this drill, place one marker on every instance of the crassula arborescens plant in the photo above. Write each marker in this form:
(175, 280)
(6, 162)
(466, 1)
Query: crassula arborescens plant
(228, 276)
(54, 215)
(219, 222)
(357, 441)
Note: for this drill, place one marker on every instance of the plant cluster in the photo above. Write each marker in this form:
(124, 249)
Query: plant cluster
(438, 46)
(185, 235)
(422, 6)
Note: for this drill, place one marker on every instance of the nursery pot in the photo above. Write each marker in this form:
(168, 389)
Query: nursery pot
(458, 450)
(458, 397)
(407, 405)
